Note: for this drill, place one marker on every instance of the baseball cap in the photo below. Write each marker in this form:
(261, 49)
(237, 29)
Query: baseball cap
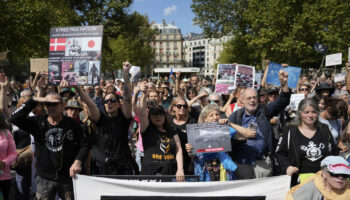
(73, 103)
(336, 165)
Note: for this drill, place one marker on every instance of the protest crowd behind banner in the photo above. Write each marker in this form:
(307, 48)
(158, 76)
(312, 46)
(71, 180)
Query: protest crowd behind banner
(290, 130)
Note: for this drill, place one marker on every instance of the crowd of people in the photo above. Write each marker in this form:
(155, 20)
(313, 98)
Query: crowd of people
(120, 127)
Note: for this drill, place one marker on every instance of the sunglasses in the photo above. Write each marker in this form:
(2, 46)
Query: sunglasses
(50, 104)
(338, 175)
(304, 89)
(179, 106)
(214, 101)
(110, 100)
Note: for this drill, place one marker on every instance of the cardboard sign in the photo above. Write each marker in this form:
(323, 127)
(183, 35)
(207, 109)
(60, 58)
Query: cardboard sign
(245, 76)
(334, 59)
(295, 100)
(293, 75)
(75, 55)
(209, 137)
(225, 78)
(39, 64)
(339, 77)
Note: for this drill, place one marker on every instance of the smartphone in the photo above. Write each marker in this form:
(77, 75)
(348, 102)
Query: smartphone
(253, 126)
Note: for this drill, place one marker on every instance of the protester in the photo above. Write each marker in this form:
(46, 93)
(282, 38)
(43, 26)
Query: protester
(237, 94)
(304, 143)
(325, 89)
(335, 109)
(111, 154)
(162, 147)
(8, 153)
(253, 155)
(181, 115)
(207, 165)
(332, 182)
(56, 163)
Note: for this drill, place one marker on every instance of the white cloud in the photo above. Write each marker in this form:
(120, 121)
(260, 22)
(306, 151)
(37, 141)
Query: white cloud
(170, 10)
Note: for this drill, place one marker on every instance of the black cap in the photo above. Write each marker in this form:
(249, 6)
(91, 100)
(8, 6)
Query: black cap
(324, 86)
(273, 90)
(64, 90)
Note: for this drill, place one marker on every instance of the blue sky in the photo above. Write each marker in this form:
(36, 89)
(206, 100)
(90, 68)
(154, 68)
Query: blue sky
(178, 11)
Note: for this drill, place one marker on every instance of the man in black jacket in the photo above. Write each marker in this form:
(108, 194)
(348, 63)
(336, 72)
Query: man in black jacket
(59, 143)
(252, 155)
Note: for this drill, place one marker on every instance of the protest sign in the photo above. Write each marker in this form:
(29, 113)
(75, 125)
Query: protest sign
(258, 77)
(339, 77)
(295, 100)
(293, 75)
(245, 76)
(270, 188)
(135, 73)
(39, 64)
(209, 137)
(75, 55)
(225, 78)
(334, 59)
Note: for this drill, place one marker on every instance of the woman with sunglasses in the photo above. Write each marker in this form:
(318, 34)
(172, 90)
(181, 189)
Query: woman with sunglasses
(161, 145)
(180, 116)
(304, 89)
(304, 143)
(111, 154)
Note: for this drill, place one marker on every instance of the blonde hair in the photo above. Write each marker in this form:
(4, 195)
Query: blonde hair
(174, 103)
(206, 111)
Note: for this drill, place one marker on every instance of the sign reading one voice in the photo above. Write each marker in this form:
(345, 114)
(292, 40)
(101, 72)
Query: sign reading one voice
(75, 55)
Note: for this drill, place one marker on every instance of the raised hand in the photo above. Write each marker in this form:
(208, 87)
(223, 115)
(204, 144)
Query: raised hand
(284, 65)
(126, 66)
(283, 76)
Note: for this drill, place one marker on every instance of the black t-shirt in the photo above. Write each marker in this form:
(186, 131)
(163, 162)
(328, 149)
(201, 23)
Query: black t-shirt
(159, 152)
(312, 151)
(182, 132)
(111, 143)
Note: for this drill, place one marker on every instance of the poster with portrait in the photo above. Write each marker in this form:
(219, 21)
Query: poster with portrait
(245, 76)
(293, 75)
(75, 55)
(209, 137)
(225, 78)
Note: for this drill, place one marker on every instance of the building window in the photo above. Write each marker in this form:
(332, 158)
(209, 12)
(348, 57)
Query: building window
(208, 66)
(214, 55)
(207, 59)
(190, 44)
(175, 43)
(175, 59)
(167, 58)
(195, 43)
(207, 53)
(167, 43)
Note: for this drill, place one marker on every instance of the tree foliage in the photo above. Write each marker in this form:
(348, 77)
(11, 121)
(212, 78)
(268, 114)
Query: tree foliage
(26, 26)
(279, 30)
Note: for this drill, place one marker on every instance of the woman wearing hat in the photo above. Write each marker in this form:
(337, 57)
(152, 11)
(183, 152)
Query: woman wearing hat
(325, 89)
(332, 182)
(162, 147)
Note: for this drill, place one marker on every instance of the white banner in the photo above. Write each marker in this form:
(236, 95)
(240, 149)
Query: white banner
(96, 188)
(334, 59)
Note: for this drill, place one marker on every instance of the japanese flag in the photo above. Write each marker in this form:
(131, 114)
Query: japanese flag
(91, 44)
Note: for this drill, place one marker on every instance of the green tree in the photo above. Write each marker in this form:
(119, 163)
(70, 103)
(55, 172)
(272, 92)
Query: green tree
(279, 30)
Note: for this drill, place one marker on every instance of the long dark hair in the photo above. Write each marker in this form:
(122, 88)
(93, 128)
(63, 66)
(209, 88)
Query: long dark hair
(159, 110)
(4, 124)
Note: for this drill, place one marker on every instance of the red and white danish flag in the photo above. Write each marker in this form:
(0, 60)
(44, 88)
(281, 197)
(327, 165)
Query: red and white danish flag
(57, 44)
